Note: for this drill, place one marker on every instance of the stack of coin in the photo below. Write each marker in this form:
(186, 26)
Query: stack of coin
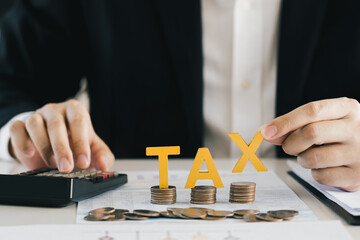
(203, 195)
(242, 192)
(163, 196)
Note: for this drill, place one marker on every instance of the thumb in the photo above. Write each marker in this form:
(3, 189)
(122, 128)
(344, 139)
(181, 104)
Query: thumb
(268, 130)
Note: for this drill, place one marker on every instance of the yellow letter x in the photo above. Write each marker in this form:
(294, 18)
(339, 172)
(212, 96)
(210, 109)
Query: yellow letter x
(248, 152)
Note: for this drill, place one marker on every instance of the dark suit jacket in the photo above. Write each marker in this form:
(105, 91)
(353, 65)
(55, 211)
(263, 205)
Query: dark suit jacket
(143, 60)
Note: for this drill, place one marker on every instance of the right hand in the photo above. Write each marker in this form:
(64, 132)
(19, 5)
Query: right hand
(59, 136)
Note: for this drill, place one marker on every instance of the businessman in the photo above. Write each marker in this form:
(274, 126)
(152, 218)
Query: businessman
(182, 73)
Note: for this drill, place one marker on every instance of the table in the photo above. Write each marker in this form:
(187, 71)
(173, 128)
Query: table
(18, 215)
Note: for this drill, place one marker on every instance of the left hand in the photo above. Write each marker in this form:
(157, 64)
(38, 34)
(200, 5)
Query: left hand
(325, 137)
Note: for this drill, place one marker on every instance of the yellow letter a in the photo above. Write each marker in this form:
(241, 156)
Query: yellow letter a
(212, 173)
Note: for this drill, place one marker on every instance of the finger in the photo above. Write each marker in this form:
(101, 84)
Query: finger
(101, 156)
(317, 133)
(312, 112)
(331, 155)
(36, 128)
(59, 140)
(20, 141)
(342, 177)
(79, 130)
(22, 148)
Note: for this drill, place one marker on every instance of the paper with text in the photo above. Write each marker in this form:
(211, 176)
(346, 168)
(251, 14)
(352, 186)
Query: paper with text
(319, 230)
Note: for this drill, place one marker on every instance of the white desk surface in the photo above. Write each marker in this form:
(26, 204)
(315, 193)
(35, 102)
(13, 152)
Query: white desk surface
(17, 215)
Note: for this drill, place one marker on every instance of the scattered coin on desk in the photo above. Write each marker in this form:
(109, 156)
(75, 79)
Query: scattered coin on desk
(215, 213)
(104, 210)
(193, 213)
(120, 211)
(146, 213)
(97, 217)
(115, 217)
(267, 217)
(167, 214)
(134, 216)
(240, 213)
(283, 214)
(250, 215)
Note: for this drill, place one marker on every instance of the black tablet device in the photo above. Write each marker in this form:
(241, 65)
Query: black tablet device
(351, 219)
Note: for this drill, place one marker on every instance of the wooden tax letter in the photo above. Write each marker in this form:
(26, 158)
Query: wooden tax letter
(212, 173)
(163, 153)
(248, 152)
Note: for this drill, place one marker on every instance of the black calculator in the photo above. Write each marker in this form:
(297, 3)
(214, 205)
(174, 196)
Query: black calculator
(50, 188)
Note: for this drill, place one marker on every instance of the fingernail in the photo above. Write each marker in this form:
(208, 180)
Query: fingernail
(268, 131)
(82, 161)
(64, 165)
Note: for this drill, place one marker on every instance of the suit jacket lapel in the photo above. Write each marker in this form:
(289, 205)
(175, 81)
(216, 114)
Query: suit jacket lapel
(300, 28)
(181, 22)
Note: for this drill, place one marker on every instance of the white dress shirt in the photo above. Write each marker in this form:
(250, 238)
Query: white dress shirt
(240, 52)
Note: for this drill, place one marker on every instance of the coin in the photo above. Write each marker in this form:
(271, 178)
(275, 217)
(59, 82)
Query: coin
(212, 218)
(242, 192)
(220, 213)
(102, 210)
(193, 213)
(286, 211)
(121, 211)
(251, 217)
(205, 188)
(116, 217)
(147, 213)
(97, 217)
(267, 217)
(243, 184)
(173, 209)
(134, 216)
(163, 196)
(238, 216)
(283, 214)
(178, 213)
(167, 214)
(242, 212)
(201, 208)
(203, 194)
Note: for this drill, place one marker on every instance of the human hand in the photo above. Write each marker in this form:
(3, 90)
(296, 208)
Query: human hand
(59, 135)
(325, 137)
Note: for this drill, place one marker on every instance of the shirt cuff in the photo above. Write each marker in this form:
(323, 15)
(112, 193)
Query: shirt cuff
(5, 136)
